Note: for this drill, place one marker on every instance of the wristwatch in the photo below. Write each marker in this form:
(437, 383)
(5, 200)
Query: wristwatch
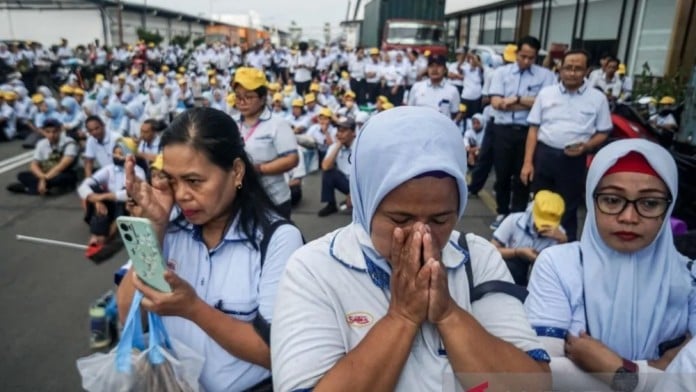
(625, 377)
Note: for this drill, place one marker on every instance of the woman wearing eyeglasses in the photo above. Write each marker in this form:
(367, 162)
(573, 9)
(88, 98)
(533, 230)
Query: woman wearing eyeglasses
(618, 304)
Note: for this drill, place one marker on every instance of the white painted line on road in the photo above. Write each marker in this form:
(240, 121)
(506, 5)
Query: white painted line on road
(50, 242)
(16, 158)
(11, 166)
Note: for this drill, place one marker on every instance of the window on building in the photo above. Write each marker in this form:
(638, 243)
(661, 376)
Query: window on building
(464, 31)
(536, 11)
(508, 25)
(475, 30)
(653, 36)
(490, 20)
(561, 24)
(601, 19)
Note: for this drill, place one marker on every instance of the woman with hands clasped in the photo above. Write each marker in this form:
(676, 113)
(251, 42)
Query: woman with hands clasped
(220, 295)
(620, 303)
(383, 303)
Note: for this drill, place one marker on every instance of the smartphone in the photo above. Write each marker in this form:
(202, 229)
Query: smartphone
(140, 239)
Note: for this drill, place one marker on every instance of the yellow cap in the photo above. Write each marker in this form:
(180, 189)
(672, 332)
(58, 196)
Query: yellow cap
(374, 51)
(150, 72)
(382, 99)
(231, 99)
(134, 71)
(309, 98)
(462, 108)
(213, 81)
(277, 97)
(67, 89)
(211, 72)
(151, 45)
(78, 91)
(345, 75)
(37, 98)
(622, 69)
(387, 106)
(164, 68)
(349, 94)
(297, 102)
(250, 78)
(130, 47)
(547, 210)
(10, 95)
(158, 163)
(161, 79)
(274, 87)
(99, 78)
(314, 87)
(182, 69)
(128, 145)
(288, 89)
(426, 53)
(325, 112)
(181, 80)
(510, 53)
(121, 76)
(667, 100)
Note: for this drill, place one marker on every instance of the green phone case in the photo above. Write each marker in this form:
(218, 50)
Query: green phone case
(140, 240)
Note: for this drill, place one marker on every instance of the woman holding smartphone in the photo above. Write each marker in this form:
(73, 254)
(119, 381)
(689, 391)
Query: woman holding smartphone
(222, 289)
(383, 303)
(618, 303)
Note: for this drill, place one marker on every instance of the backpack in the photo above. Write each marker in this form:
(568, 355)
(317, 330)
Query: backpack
(476, 292)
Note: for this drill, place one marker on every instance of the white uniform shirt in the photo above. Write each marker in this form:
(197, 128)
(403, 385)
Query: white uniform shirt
(473, 138)
(43, 149)
(112, 179)
(328, 302)
(229, 278)
(150, 148)
(272, 138)
(371, 66)
(356, 68)
(315, 132)
(342, 161)
(510, 81)
(566, 118)
(443, 97)
(473, 82)
(308, 62)
(455, 67)
(101, 152)
(517, 231)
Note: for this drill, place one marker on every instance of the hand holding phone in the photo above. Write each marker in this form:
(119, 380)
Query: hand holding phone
(140, 239)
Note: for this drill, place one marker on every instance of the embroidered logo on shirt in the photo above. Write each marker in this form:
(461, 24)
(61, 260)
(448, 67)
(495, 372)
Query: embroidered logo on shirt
(171, 265)
(359, 319)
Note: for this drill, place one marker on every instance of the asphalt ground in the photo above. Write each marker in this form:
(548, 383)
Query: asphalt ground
(46, 290)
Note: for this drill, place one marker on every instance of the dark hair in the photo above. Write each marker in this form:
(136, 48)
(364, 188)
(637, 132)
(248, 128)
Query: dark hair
(96, 118)
(156, 125)
(530, 41)
(52, 123)
(215, 135)
(577, 51)
(303, 46)
(613, 59)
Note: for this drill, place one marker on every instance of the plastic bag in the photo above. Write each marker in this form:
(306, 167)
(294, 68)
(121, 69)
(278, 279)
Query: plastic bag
(162, 365)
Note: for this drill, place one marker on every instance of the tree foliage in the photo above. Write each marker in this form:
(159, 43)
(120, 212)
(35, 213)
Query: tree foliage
(149, 36)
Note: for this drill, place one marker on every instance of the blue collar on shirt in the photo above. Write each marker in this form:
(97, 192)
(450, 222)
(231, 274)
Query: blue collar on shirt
(516, 69)
(579, 91)
(528, 226)
(233, 233)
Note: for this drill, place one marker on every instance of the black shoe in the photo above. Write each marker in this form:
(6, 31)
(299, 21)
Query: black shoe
(17, 187)
(473, 195)
(328, 210)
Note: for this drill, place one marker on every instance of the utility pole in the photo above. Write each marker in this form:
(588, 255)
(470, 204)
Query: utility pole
(120, 21)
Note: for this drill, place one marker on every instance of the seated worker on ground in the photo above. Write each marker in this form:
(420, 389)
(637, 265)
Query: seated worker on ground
(613, 308)
(323, 133)
(106, 197)
(522, 235)
(383, 303)
(473, 138)
(336, 167)
(53, 165)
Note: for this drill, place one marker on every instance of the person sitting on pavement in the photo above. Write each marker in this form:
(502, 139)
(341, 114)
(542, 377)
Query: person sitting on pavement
(52, 167)
(105, 196)
(277, 108)
(349, 108)
(473, 138)
(382, 304)
(8, 116)
(323, 133)
(613, 307)
(99, 146)
(298, 118)
(73, 119)
(522, 235)
(336, 167)
(312, 108)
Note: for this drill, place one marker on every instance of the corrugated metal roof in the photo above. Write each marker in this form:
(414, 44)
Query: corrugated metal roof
(453, 6)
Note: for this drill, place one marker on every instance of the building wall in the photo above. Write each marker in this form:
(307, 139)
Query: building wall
(167, 27)
(48, 25)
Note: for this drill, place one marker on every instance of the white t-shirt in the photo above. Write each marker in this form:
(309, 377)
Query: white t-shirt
(308, 62)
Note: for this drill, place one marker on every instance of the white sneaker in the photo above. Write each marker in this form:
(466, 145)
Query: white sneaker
(496, 223)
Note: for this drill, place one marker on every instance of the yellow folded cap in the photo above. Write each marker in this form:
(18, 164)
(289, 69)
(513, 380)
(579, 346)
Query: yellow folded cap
(325, 112)
(374, 51)
(387, 106)
(309, 98)
(211, 72)
(274, 87)
(10, 95)
(151, 45)
(288, 89)
(134, 71)
(150, 72)
(128, 145)
(297, 103)
(99, 78)
(231, 99)
(182, 70)
(510, 53)
(345, 75)
(667, 100)
(158, 163)
(122, 76)
(277, 97)
(314, 87)
(250, 78)
(78, 91)
(547, 210)
(622, 69)
(67, 89)
(37, 98)
(462, 108)
(213, 81)
(164, 68)
(161, 79)
(181, 80)
(382, 99)
(349, 94)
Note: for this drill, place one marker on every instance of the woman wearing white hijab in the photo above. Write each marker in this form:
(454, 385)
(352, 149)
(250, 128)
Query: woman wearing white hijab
(623, 294)
(383, 303)
(156, 107)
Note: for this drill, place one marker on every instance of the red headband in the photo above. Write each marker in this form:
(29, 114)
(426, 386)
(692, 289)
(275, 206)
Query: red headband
(632, 162)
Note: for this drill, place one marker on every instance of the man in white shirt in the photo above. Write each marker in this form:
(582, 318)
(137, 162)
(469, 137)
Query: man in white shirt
(303, 64)
(336, 167)
(455, 71)
(356, 68)
(435, 92)
(372, 75)
(100, 145)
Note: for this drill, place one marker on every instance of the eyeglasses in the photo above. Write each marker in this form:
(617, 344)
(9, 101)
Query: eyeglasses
(647, 207)
(246, 98)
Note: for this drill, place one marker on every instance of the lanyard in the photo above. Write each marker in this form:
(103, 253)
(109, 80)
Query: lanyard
(252, 130)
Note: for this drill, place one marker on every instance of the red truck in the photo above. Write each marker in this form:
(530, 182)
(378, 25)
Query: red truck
(421, 35)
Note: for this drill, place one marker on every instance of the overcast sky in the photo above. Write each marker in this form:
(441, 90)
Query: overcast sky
(309, 14)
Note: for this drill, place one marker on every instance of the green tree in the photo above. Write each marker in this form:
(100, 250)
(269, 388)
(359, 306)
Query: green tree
(181, 40)
(149, 36)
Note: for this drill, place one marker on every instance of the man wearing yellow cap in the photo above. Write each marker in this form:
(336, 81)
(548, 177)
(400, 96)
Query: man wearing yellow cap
(664, 120)
(522, 235)
(513, 90)
(8, 115)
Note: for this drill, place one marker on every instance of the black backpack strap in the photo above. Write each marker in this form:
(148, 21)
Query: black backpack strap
(263, 246)
(492, 286)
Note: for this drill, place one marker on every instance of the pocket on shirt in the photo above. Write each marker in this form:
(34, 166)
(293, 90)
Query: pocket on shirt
(243, 311)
